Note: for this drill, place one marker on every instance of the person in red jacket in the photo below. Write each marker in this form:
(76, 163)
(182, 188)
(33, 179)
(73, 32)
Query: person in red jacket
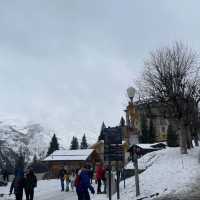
(99, 177)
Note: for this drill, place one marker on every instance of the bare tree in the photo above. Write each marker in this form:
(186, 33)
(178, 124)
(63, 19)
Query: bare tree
(171, 76)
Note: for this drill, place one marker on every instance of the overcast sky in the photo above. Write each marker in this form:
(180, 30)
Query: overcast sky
(67, 63)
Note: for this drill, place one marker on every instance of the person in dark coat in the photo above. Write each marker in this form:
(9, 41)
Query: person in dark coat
(61, 176)
(5, 175)
(82, 184)
(30, 184)
(18, 184)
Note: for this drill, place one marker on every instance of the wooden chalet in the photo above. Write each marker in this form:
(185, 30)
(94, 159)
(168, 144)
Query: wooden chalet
(71, 160)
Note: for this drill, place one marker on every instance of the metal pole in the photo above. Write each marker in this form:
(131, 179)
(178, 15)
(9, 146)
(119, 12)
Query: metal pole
(109, 179)
(124, 171)
(124, 178)
(118, 192)
(109, 174)
(136, 174)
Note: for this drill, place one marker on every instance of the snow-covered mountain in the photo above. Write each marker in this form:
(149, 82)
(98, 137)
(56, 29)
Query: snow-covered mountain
(32, 137)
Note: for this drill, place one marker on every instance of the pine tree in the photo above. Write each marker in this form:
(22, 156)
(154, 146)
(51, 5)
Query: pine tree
(144, 129)
(53, 145)
(84, 144)
(152, 136)
(101, 136)
(122, 122)
(74, 143)
(172, 138)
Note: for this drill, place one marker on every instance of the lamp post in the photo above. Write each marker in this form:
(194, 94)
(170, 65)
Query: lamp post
(131, 93)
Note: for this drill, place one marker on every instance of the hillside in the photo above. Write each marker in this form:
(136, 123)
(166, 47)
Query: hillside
(31, 138)
(167, 171)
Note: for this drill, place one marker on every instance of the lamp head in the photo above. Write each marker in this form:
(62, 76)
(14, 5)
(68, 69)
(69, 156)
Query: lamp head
(131, 93)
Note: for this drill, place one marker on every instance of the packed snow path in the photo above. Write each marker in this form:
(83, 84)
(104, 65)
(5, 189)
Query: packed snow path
(172, 175)
(192, 194)
(49, 190)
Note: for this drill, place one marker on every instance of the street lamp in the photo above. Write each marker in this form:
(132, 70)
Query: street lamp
(131, 93)
(130, 114)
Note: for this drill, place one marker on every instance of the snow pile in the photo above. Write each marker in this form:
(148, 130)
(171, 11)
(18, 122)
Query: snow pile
(166, 171)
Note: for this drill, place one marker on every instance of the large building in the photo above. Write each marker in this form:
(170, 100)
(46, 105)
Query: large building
(152, 110)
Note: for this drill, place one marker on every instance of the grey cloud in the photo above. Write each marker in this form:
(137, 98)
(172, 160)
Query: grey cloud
(68, 63)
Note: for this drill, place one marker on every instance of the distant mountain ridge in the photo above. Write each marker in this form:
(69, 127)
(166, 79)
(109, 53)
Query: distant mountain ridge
(32, 137)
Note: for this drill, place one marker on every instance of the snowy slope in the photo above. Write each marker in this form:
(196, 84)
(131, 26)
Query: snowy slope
(166, 171)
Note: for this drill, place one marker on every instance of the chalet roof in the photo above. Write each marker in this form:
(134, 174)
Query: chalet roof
(70, 155)
(153, 146)
(145, 146)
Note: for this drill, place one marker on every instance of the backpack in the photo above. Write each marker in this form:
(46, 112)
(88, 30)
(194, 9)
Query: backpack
(77, 180)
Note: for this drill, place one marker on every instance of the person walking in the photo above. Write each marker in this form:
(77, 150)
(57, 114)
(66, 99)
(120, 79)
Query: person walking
(82, 184)
(30, 184)
(67, 181)
(61, 175)
(5, 175)
(99, 177)
(18, 184)
(72, 180)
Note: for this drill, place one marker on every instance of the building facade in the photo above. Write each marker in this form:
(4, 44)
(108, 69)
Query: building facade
(153, 110)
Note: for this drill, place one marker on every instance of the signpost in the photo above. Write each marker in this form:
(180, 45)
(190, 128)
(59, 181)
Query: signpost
(113, 151)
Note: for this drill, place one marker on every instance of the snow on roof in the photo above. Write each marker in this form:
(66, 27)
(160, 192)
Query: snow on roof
(60, 155)
(149, 146)
(145, 146)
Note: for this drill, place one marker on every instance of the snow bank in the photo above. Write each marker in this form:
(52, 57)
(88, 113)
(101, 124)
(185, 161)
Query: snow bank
(166, 171)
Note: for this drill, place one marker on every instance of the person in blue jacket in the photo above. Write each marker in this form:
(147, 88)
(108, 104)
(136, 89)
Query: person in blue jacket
(18, 184)
(82, 184)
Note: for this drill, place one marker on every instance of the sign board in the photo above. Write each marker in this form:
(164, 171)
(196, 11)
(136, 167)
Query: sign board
(113, 149)
(113, 157)
(112, 135)
(113, 153)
